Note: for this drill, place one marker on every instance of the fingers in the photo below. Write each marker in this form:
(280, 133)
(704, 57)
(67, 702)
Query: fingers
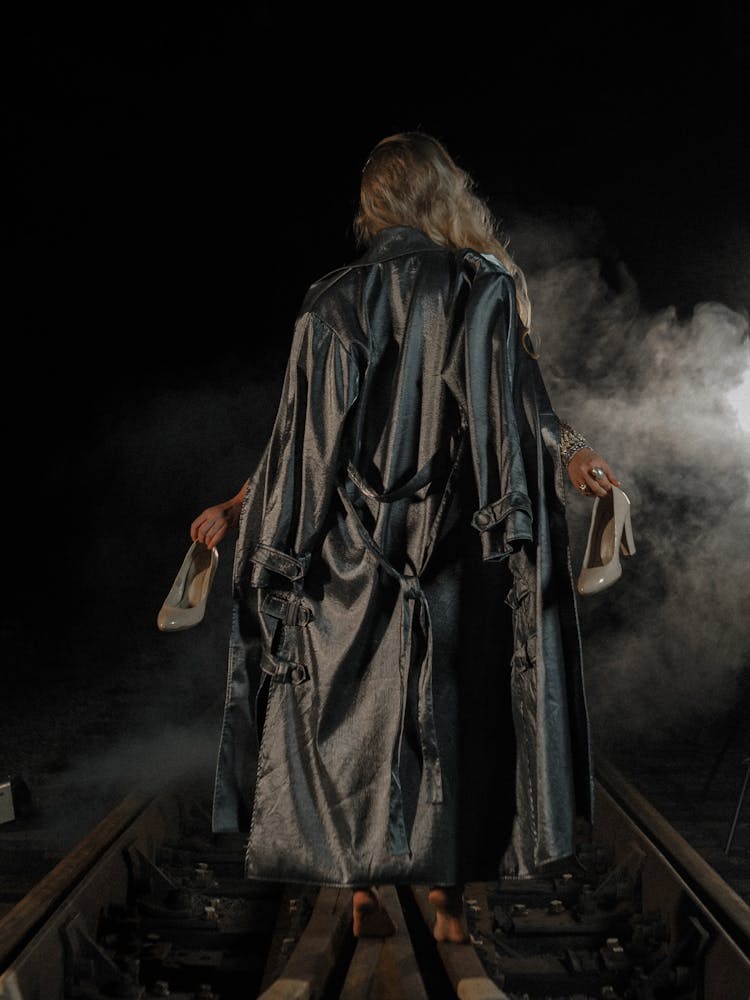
(209, 528)
(597, 481)
(591, 474)
(198, 527)
(587, 488)
(212, 532)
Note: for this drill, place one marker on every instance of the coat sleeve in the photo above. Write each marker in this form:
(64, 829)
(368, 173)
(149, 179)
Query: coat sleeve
(495, 414)
(283, 512)
(302, 457)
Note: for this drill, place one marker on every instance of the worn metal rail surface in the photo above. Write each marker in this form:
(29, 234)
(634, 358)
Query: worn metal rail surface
(151, 904)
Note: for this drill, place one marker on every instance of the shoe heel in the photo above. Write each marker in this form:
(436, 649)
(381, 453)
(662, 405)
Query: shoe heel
(627, 541)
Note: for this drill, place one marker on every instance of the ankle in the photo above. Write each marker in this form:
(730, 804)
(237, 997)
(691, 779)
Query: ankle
(365, 896)
(370, 918)
(447, 899)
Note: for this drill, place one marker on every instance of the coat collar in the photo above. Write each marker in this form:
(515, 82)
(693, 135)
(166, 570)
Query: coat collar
(395, 241)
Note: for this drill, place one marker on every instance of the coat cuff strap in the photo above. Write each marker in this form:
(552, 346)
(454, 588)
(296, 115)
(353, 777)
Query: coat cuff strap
(265, 557)
(287, 608)
(510, 517)
(284, 671)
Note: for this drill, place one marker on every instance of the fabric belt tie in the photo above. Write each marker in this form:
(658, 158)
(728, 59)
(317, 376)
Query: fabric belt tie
(414, 610)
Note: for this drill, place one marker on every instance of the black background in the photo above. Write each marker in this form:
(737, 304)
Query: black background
(179, 176)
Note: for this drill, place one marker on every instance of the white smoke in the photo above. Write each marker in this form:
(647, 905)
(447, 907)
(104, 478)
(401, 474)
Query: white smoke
(739, 399)
(665, 401)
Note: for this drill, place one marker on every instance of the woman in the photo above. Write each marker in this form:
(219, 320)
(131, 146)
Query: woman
(405, 699)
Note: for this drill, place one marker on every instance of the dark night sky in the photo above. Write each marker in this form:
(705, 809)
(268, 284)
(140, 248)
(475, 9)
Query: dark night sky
(180, 177)
(170, 167)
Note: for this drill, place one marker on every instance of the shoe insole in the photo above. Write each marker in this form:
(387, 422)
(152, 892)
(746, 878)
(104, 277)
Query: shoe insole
(198, 581)
(197, 587)
(606, 546)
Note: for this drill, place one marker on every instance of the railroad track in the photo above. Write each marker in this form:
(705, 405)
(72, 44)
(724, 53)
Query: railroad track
(151, 904)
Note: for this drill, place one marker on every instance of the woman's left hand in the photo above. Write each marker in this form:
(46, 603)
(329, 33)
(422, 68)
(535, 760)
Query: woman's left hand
(590, 474)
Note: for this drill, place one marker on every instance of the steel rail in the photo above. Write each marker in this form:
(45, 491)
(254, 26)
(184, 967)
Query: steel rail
(726, 907)
(699, 908)
(89, 878)
(673, 879)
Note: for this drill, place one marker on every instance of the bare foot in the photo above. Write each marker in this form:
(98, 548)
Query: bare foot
(369, 916)
(450, 921)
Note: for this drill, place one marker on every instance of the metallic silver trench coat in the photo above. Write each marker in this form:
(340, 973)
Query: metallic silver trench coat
(405, 698)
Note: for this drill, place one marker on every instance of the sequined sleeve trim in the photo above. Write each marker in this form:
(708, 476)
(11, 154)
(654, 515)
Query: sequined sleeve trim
(570, 442)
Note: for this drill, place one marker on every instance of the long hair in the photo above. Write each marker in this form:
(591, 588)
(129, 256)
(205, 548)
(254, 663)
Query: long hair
(410, 179)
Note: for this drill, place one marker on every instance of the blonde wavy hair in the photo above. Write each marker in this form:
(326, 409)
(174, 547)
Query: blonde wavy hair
(410, 179)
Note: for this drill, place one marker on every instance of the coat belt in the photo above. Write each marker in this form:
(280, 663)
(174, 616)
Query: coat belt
(414, 610)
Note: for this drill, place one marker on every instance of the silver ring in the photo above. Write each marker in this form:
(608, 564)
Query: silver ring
(597, 473)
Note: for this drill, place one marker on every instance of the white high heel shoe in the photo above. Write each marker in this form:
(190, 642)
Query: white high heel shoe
(610, 533)
(185, 604)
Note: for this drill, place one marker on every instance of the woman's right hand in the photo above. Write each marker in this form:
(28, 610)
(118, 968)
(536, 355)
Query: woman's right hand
(590, 473)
